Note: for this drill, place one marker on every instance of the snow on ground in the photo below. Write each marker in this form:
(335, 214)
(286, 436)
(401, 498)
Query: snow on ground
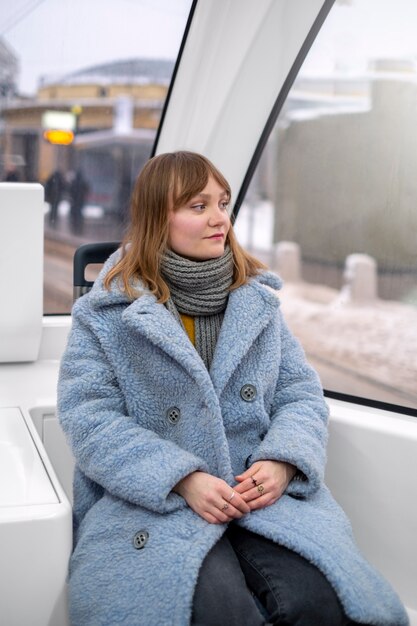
(377, 340)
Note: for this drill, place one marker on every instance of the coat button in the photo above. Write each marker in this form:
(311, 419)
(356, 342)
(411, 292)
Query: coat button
(248, 462)
(173, 414)
(248, 393)
(140, 539)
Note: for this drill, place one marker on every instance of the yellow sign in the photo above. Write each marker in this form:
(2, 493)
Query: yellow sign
(59, 137)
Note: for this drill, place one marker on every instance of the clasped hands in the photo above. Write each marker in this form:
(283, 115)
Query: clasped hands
(216, 502)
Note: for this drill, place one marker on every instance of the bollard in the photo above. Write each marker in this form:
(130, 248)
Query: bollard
(360, 277)
(288, 258)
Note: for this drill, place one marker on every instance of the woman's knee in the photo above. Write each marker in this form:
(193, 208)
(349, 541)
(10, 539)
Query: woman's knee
(309, 605)
(307, 598)
(291, 588)
(221, 595)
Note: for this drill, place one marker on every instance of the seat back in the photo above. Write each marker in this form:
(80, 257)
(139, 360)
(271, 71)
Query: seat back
(88, 254)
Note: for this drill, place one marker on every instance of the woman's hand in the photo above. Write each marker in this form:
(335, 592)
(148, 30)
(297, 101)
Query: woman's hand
(212, 498)
(264, 482)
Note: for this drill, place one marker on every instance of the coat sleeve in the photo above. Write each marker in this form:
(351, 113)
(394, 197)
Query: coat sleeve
(110, 448)
(299, 416)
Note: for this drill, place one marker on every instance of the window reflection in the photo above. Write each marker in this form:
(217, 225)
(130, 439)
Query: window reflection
(106, 72)
(332, 206)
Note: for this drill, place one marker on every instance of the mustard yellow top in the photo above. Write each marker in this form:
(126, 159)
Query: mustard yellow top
(188, 322)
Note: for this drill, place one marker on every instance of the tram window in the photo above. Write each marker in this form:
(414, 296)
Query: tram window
(332, 206)
(107, 65)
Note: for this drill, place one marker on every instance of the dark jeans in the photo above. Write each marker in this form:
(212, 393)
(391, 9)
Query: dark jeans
(289, 590)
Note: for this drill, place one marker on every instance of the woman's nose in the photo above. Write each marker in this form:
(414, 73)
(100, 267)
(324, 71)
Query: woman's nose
(218, 216)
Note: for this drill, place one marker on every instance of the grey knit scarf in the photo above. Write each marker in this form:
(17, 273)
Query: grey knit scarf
(199, 289)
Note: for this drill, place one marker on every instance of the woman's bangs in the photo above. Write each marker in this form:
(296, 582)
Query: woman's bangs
(189, 183)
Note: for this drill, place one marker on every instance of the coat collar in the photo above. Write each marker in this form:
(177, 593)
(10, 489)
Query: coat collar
(145, 316)
(159, 326)
(249, 310)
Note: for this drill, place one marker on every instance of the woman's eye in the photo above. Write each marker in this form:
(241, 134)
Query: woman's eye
(198, 207)
(224, 205)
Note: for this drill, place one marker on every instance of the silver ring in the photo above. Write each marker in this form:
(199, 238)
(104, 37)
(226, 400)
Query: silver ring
(232, 496)
(225, 506)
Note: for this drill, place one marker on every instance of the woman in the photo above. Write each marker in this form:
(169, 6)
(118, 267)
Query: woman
(199, 434)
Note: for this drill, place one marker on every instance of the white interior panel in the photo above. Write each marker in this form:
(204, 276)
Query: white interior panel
(35, 528)
(23, 480)
(59, 452)
(235, 61)
(21, 270)
(372, 472)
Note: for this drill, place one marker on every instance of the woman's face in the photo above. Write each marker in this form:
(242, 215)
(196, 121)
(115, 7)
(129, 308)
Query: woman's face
(198, 230)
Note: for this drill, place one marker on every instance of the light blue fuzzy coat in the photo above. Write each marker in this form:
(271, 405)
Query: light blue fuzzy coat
(125, 366)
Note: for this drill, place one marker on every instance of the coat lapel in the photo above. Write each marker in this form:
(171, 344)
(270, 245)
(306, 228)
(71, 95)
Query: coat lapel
(159, 326)
(249, 310)
(153, 320)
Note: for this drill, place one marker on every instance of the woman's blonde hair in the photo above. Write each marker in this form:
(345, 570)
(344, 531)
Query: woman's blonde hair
(168, 180)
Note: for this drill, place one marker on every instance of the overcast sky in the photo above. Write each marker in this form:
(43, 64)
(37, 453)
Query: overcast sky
(55, 37)
(358, 30)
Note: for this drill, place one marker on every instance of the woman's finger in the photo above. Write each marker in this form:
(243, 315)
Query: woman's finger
(262, 501)
(220, 514)
(263, 489)
(235, 501)
(247, 485)
(210, 518)
(251, 478)
(231, 511)
(251, 471)
(264, 483)
(244, 475)
(255, 492)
